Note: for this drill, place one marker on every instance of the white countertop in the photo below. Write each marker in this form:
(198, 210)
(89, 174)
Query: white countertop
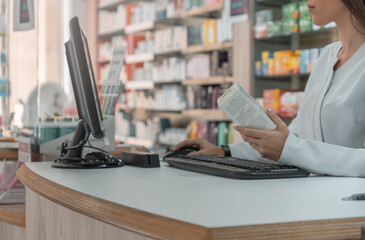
(211, 201)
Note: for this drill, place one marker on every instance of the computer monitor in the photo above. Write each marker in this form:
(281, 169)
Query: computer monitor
(88, 107)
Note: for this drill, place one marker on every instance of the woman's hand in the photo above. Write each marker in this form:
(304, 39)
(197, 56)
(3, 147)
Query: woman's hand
(206, 148)
(268, 143)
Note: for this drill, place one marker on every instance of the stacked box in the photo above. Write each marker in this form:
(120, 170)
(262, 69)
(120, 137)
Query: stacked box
(258, 71)
(305, 20)
(290, 18)
(221, 63)
(214, 61)
(210, 32)
(295, 62)
(264, 16)
(230, 62)
(272, 99)
(265, 56)
(274, 28)
(195, 35)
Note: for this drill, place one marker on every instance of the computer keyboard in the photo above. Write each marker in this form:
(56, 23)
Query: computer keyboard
(235, 168)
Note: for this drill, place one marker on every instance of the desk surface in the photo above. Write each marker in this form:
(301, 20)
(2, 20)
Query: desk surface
(196, 199)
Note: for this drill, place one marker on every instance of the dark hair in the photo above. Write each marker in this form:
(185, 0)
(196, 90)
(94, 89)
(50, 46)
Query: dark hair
(357, 9)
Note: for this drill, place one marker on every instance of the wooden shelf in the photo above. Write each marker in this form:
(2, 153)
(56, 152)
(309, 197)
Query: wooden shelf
(207, 48)
(283, 77)
(208, 81)
(171, 53)
(137, 58)
(103, 62)
(111, 6)
(304, 36)
(139, 85)
(206, 114)
(139, 27)
(210, 11)
(114, 5)
(103, 36)
(167, 82)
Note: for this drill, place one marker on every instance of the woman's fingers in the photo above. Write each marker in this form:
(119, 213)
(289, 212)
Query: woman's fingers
(186, 143)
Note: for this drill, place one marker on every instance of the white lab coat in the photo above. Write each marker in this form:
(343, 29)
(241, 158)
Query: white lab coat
(328, 134)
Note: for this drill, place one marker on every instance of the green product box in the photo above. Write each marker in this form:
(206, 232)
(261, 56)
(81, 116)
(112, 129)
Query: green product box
(274, 28)
(290, 18)
(305, 19)
(264, 16)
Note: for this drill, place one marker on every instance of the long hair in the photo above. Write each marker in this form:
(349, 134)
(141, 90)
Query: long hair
(357, 9)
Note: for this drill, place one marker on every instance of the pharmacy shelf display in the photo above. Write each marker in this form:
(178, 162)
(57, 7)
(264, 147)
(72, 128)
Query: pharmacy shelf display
(139, 37)
(286, 46)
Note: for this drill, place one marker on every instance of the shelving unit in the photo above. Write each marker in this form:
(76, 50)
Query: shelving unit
(4, 68)
(137, 58)
(293, 41)
(207, 48)
(140, 27)
(194, 16)
(206, 114)
(139, 85)
(104, 36)
(208, 81)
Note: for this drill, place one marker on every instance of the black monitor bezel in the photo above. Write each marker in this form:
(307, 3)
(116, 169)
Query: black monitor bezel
(88, 105)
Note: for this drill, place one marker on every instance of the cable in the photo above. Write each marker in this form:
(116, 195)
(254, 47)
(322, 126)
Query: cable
(82, 143)
(100, 149)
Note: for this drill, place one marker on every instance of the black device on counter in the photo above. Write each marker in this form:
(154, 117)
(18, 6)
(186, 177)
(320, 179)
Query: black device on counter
(141, 159)
(88, 107)
(231, 167)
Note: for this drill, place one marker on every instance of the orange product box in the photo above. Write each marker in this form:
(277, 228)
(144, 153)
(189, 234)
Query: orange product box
(272, 99)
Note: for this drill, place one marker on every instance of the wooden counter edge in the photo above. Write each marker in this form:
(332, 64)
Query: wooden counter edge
(159, 227)
(118, 215)
(11, 216)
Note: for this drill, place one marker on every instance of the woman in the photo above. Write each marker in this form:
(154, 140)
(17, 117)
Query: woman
(328, 134)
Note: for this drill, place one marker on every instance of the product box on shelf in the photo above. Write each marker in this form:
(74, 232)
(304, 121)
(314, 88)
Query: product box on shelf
(290, 18)
(283, 102)
(274, 28)
(305, 20)
(210, 32)
(218, 133)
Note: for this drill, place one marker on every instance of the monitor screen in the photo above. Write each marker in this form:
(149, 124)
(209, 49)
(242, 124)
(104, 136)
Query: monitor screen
(83, 81)
(88, 107)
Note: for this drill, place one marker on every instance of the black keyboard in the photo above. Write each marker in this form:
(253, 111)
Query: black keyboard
(235, 168)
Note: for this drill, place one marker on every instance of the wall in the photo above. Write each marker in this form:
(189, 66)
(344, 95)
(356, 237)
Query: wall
(35, 56)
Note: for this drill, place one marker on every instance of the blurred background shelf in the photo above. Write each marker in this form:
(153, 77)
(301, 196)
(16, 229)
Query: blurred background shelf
(207, 48)
(104, 36)
(137, 58)
(139, 85)
(208, 81)
(206, 114)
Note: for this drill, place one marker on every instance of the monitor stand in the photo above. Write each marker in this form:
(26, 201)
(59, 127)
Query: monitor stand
(71, 156)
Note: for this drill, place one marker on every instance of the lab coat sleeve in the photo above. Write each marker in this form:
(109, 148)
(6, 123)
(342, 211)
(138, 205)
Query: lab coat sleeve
(323, 158)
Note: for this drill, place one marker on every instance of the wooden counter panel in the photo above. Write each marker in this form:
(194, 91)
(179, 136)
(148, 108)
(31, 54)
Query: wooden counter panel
(140, 222)
(11, 232)
(49, 220)
(13, 214)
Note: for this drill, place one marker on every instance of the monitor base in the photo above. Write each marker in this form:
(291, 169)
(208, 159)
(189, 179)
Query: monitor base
(85, 163)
